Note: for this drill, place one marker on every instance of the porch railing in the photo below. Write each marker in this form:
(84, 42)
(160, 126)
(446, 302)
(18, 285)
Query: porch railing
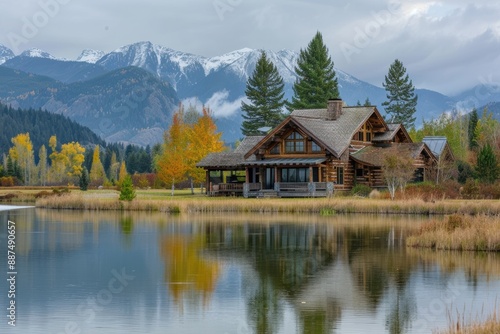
(292, 189)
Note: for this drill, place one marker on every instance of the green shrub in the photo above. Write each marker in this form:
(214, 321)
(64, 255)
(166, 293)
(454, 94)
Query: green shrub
(470, 190)
(127, 192)
(361, 190)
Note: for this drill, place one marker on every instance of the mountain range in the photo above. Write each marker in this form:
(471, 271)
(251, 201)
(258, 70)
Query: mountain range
(129, 94)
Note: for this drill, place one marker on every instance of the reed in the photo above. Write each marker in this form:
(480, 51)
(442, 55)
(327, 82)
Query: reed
(461, 326)
(341, 205)
(459, 232)
(108, 200)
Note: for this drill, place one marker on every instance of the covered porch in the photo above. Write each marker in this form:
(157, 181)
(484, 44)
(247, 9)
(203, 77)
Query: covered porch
(286, 177)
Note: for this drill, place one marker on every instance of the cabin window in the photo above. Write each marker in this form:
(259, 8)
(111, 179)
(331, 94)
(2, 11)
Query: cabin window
(294, 143)
(315, 147)
(340, 175)
(418, 175)
(295, 175)
(360, 172)
(275, 150)
(360, 136)
(368, 136)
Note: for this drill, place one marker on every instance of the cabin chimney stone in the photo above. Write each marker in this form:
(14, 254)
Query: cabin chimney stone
(334, 109)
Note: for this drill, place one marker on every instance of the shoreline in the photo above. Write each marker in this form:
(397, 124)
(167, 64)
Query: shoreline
(322, 206)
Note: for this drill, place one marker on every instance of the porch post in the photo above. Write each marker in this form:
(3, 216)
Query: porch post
(207, 181)
(276, 179)
(310, 174)
(247, 176)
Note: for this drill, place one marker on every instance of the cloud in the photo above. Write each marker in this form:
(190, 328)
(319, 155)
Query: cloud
(218, 103)
(443, 44)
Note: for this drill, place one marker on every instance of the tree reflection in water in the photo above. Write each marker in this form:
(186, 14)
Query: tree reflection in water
(186, 270)
(319, 270)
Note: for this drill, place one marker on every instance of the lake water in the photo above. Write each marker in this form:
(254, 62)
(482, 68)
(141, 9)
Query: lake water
(91, 272)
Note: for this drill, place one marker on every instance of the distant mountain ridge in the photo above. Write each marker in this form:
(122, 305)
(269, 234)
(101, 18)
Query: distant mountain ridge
(41, 126)
(218, 82)
(128, 105)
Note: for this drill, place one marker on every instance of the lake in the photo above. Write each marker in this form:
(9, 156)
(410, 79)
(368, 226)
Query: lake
(120, 272)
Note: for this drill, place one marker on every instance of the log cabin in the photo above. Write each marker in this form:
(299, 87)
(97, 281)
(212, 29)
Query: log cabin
(314, 152)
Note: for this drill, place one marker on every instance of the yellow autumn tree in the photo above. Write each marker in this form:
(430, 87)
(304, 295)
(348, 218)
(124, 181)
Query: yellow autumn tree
(56, 170)
(22, 153)
(97, 173)
(203, 140)
(123, 172)
(172, 165)
(42, 165)
(67, 165)
(74, 155)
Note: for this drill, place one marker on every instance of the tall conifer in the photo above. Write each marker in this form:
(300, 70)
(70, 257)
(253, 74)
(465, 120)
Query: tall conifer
(316, 82)
(265, 91)
(401, 103)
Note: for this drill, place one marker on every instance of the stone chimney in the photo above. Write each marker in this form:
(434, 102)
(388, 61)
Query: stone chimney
(334, 109)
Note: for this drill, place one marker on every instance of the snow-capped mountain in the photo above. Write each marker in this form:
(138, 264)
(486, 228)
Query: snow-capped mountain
(90, 56)
(5, 54)
(37, 53)
(217, 82)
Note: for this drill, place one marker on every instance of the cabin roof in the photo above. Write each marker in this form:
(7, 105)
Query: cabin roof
(375, 155)
(230, 159)
(388, 135)
(334, 135)
(436, 144)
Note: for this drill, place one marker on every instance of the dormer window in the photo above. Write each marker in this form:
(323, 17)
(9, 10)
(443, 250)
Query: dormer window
(364, 134)
(294, 143)
(315, 148)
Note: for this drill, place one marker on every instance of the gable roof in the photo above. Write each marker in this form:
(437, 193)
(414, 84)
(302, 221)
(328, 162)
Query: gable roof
(375, 155)
(230, 159)
(334, 135)
(437, 144)
(394, 128)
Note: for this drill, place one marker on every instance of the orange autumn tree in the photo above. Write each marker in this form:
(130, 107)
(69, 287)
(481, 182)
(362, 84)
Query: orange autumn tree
(185, 145)
(203, 139)
(172, 164)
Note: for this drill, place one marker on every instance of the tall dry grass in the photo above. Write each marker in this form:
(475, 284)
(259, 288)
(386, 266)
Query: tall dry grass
(459, 232)
(461, 326)
(327, 206)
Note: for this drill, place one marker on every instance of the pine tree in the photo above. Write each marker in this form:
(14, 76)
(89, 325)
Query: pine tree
(401, 103)
(473, 119)
(127, 192)
(316, 82)
(265, 91)
(84, 179)
(487, 167)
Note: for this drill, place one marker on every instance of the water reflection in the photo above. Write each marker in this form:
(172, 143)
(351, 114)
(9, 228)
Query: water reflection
(186, 269)
(240, 274)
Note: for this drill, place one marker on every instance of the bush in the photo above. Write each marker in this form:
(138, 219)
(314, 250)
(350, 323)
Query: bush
(489, 191)
(375, 194)
(470, 190)
(361, 190)
(127, 192)
(7, 181)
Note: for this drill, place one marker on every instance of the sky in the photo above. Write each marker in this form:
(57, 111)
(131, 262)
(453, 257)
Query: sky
(447, 46)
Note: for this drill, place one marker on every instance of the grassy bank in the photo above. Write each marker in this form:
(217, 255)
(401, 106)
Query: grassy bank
(184, 202)
(459, 232)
